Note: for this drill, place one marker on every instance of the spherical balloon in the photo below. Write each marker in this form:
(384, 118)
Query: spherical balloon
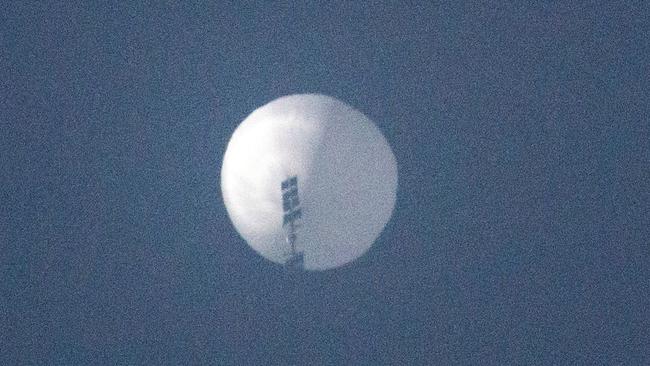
(311, 166)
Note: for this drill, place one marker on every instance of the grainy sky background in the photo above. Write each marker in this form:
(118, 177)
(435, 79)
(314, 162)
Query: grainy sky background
(521, 233)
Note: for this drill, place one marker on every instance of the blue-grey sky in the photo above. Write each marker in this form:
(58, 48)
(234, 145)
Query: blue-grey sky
(521, 233)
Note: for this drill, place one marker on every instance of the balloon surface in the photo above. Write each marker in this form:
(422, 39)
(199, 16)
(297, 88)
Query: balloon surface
(346, 178)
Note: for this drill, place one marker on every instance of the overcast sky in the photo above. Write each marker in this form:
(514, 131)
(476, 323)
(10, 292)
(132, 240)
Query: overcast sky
(521, 232)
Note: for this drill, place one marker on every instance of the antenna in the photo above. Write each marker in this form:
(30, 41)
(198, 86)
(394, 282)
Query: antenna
(292, 213)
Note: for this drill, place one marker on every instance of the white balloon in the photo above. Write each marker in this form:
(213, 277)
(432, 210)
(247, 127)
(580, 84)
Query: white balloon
(347, 179)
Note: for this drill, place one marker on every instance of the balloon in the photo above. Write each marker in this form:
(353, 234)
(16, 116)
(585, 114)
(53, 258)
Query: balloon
(343, 168)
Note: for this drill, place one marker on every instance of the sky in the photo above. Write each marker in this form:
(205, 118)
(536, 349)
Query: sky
(521, 231)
